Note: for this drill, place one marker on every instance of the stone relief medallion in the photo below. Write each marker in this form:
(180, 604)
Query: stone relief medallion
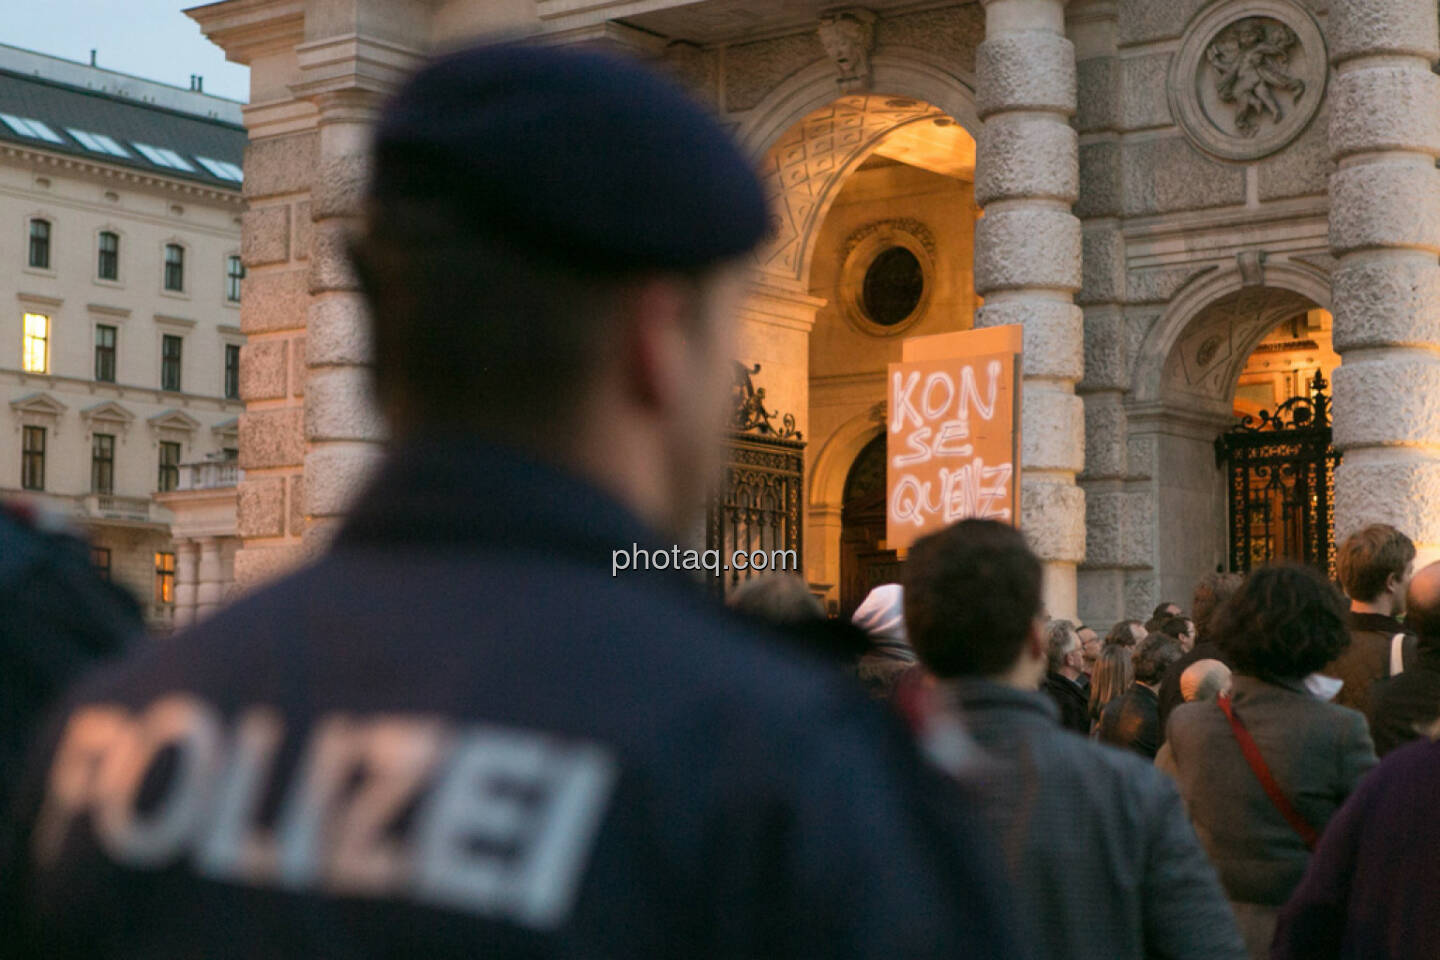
(1248, 77)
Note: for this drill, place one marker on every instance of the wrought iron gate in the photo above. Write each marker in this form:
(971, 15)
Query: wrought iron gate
(757, 505)
(1280, 478)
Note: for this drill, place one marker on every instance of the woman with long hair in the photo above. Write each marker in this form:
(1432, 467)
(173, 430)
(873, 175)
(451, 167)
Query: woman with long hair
(1114, 672)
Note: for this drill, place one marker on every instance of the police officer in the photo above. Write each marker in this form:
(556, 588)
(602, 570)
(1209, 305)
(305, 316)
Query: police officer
(58, 618)
(460, 733)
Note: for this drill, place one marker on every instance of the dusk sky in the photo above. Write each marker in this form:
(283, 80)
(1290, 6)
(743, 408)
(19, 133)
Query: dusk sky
(147, 38)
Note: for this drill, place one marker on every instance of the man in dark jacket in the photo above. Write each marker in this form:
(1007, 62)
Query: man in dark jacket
(1374, 565)
(477, 727)
(1105, 862)
(1404, 706)
(58, 618)
(1062, 680)
(1372, 889)
(1133, 721)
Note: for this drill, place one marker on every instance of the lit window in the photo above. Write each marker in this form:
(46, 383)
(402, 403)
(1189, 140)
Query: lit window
(232, 371)
(40, 244)
(169, 466)
(221, 168)
(165, 578)
(102, 463)
(30, 127)
(108, 267)
(35, 350)
(164, 157)
(100, 560)
(97, 142)
(170, 347)
(32, 459)
(174, 266)
(104, 353)
(234, 273)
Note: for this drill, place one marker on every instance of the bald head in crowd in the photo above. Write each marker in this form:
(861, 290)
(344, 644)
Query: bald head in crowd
(1422, 605)
(1204, 680)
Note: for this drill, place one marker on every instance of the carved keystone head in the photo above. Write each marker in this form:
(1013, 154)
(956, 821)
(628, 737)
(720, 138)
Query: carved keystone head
(848, 36)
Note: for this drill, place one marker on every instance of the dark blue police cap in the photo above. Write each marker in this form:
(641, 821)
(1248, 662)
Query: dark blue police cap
(578, 155)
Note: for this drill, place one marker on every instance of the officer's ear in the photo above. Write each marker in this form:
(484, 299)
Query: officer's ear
(657, 316)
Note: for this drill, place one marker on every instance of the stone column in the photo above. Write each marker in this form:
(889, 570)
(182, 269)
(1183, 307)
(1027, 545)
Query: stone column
(209, 579)
(186, 580)
(1385, 232)
(1027, 264)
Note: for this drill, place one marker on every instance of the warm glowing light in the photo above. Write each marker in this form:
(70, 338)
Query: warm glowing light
(35, 352)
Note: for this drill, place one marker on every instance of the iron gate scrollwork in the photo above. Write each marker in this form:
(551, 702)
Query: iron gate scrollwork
(1280, 479)
(757, 505)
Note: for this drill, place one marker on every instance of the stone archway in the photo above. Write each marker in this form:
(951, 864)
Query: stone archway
(1183, 398)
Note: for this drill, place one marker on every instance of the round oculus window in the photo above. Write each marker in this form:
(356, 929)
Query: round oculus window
(894, 283)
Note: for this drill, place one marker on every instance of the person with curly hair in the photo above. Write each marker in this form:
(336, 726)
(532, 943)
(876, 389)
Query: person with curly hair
(1264, 769)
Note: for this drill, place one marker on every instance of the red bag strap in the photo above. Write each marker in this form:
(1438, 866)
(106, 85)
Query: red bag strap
(1267, 781)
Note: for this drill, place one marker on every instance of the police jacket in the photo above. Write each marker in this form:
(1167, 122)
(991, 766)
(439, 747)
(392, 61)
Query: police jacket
(458, 734)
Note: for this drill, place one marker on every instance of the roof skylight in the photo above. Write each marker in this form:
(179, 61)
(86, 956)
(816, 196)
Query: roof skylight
(30, 127)
(163, 157)
(98, 142)
(221, 169)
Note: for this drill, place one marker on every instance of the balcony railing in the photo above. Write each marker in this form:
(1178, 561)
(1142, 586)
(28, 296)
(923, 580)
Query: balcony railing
(104, 506)
(209, 475)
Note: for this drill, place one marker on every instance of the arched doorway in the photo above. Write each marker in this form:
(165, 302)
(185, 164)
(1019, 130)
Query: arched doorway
(863, 562)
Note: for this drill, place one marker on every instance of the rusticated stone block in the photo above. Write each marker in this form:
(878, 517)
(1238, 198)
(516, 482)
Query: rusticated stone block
(1142, 592)
(300, 249)
(279, 165)
(298, 370)
(274, 300)
(272, 438)
(339, 331)
(1052, 514)
(1301, 169)
(1118, 527)
(1386, 108)
(1387, 401)
(1100, 188)
(1103, 279)
(1144, 21)
(1144, 102)
(1027, 155)
(1051, 331)
(1163, 176)
(1401, 490)
(339, 187)
(1107, 364)
(1392, 299)
(263, 368)
(1362, 28)
(1097, 95)
(340, 405)
(1159, 285)
(1385, 204)
(1052, 431)
(953, 32)
(330, 267)
(260, 507)
(265, 235)
(295, 524)
(1025, 70)
(1027, 247)
(696, 69)
(754, 69)
(257, 565)
(1105, 436)
(336, 474)
(1140, 455)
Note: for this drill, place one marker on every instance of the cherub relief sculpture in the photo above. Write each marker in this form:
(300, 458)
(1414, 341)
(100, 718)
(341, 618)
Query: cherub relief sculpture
(1250, 58)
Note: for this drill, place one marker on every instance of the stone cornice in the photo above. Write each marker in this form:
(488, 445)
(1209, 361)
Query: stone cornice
(122, 174)
(352, 63)
(245, 29)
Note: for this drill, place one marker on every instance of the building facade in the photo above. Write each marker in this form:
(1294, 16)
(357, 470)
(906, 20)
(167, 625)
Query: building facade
(1185, 203)
(120, 275)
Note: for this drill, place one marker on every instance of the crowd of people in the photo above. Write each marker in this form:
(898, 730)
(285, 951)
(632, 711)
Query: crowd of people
(458, 733)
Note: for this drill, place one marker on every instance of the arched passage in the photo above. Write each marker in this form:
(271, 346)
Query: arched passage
(1222, 350)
